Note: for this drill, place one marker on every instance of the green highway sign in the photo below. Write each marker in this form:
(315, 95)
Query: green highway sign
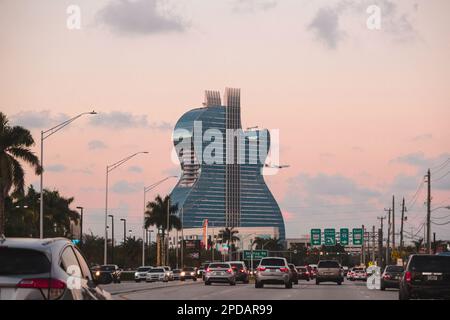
(316, 237)
(329, 237)
(343, 236)
(358, 237)
(257, 254)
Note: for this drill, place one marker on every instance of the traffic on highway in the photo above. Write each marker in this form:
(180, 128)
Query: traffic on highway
(52, 269)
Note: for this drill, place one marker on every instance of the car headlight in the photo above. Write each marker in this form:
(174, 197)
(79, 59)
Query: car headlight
(97, 273)
(183, 273)
(192, 273)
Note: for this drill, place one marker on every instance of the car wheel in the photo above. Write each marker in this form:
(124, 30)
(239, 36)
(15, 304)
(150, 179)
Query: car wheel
(259, 285)
(232, 283)
(317, 282)
(195, 279)
(307, 279)
(339, 283)
(246, 281)
(288, 285)
(181, 279)
(382, 288)
(207, 283)
(296, 282)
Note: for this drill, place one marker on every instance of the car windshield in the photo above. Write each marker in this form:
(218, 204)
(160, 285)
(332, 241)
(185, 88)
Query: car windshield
(430, 264)
(301, 269)
(108, 268)
(273, 262)
(394, 269)
(22, 261)
(188, 269)
(143, 269)
(176, 271)
(219, 265)
(328, 264)
(156, 270)
(238, 266)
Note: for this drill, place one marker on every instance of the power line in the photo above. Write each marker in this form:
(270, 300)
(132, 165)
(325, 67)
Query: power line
(440, 224)
(413, 200)
(442, 165)
(441, 177)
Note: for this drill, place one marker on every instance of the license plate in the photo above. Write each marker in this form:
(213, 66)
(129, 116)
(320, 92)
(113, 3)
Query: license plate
(432, 278)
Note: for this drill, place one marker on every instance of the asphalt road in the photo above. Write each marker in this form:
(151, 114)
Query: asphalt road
(190, 290)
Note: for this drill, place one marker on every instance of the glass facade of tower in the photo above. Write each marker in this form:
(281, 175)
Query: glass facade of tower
(202, 193)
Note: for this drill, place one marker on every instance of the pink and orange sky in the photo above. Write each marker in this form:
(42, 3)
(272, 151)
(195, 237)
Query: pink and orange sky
(362, 113)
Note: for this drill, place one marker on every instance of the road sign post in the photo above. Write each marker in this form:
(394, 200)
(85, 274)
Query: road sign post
(316, 237)
(330, 237)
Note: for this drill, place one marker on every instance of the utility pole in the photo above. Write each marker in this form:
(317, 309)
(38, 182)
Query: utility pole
(429, 212)
(363, 258)
(373, 244)
(393, 222)
(401, 226)
(388, 237)
(380, 242)
(434, 242)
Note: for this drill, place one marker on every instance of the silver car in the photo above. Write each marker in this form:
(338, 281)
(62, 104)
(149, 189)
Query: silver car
(220, 272)
(141, 273)
(273, 270)
(157, 274)
(46, 269)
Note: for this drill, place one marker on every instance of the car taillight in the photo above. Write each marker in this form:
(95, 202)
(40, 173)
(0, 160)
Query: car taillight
(284, 269)
(230, 270)
(55, 287)
(307, 273)
(408, 276)
(261, 269)
(208, 270)
(386, 276)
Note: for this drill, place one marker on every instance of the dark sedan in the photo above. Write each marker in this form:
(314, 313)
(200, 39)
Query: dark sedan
(188, 273)
(303, 273)
(391, 277)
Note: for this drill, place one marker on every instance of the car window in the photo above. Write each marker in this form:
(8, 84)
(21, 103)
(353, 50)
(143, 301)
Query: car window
(430, 264)
(188, 269)
(108, 268)
(273, 262)
(219, 265)
(84, 266)
(394, 269)
(328, 264)
(22, 261)
(69, 262)
(143, 269)
(238, 266)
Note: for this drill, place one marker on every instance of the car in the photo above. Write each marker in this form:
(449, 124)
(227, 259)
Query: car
(157, 274)
(112, 269)
(426, 276)
(169, 273)
(294, 273)
(141, 273)
(359, 274)
(313, 270)
(273, 270)
(188, 273)
(220, 272)
(350, 274)
(345, 269)
(303, 273)
(391, 277)
(329, 271)
(176, 274)
(242, 274)
(201, 271)
(47, 269)
(445, 253)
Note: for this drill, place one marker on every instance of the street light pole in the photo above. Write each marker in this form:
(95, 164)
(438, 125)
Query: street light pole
(110, 168)
(147, 189)
(112, 238)
(124, 230)
(44, 135)
(81, 225)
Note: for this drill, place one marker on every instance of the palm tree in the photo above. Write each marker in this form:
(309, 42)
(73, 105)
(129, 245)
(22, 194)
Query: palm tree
(156, 215)
(228, 235)
(15, 143)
